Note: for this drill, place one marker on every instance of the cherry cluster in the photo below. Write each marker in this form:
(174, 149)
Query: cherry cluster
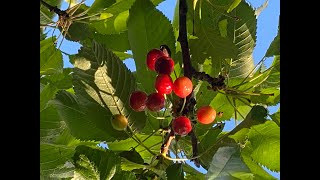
(159, 60)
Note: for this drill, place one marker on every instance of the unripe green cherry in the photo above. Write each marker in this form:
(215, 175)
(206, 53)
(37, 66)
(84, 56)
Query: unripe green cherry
(119, 122)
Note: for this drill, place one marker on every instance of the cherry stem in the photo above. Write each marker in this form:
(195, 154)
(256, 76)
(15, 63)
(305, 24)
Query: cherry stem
(147, 138)
(166, 144)
(135, 138)
(184, 103)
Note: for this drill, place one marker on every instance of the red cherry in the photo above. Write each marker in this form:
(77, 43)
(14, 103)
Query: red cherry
(206, 115)
(164, 65)
(138, 100)
(152, 56)
(155, 102)
(181, 125)
(163, 84)
(182, 86)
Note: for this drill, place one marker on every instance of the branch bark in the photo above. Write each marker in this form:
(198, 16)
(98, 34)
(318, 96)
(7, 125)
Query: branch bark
(54, 9)
(188, 71)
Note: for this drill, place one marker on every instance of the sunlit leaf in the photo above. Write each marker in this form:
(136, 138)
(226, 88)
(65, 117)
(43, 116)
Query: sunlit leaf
(144, 36)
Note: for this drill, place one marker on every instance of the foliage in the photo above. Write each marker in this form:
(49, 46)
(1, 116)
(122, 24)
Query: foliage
(77, 103)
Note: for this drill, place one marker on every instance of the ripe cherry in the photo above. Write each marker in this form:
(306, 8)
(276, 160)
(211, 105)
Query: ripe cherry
(182, 86)
(164, 65)
(152, 56)
(155, 102)
(163, 84)
(119, 122)
(138, 100)
(206, 115)
(181, 125)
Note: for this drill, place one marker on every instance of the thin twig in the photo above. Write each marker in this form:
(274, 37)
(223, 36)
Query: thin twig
(166, 144)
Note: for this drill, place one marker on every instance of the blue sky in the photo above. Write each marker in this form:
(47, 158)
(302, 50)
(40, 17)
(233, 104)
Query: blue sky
(266, 31)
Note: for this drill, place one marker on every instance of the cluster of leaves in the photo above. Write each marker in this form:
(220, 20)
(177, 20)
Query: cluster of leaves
(77, 104)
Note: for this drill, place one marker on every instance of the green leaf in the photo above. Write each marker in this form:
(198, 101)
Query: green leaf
(144, 36)
(226, 161)
(274, 78)
(153, 143)
(276, 117)
(223, 24)
(45, 14)
(265, 140)
(132, 156)
(60, 81)
(123, 5)
(118, 42)
(127, 175)
(225, 104)
(237, 46)
(266, 97)
(112, 25)
(192, 173)
(240, 136)
(95, 164)
(234, 4)
(55, 156)
(203, 95)
(210, 44)
(100, 5)
(257, 115)
(119, 6)
(206, 143)
(154, 123)
(50, 58)
(122, 55)
(51, 125)
(78, 31)
(55, 160)
(274, 48)
(67, 139)
(97, 76)
(86, 120)
(264, 79)
(175, 172)
(129, 166)
(244, 32)
(117, 15)
(256, 169)
(243, 175)
(47, 93)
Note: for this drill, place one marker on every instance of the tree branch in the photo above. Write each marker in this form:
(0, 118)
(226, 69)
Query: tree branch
(54, 9)
(195, 149)
(183, 9)
(188, 72)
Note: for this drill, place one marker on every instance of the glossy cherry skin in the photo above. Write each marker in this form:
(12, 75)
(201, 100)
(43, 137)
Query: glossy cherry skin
(181, 125)
(206, 115)
(164, 65)
(163, 84)
(155, 102)
(182, 86)
(119, 122)
(152, 56)
(138, 100)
